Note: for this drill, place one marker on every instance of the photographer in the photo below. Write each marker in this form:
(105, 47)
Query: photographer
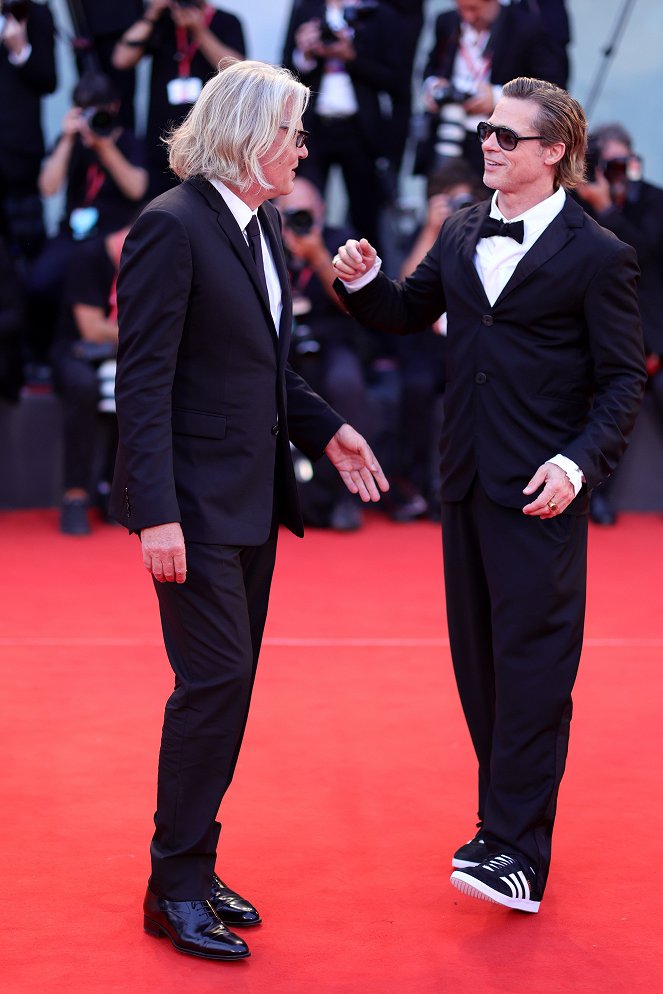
(479, 47)
(186, 40)
(100, 164)
(83, 371)
(326, 345)
(27, 73)
(622, 201)
(349, 54)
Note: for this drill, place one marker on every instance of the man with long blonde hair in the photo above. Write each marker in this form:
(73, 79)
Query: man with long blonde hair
(206, 406)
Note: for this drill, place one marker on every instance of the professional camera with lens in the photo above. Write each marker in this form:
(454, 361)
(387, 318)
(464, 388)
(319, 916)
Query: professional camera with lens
(353, 16)
(300, 222)
(18, 9)
(100, 120)
(447, 93)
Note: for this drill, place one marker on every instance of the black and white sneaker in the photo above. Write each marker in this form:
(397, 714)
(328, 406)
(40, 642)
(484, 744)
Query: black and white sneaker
(471, 854)
(503, 879)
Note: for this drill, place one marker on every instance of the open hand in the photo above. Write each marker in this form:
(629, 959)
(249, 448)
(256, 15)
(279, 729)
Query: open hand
(352, 456)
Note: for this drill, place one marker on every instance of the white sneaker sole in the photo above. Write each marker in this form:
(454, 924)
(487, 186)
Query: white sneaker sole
(476, 888)
(462, 864)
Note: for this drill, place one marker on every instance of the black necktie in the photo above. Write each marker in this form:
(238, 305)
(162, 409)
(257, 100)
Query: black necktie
(510, 229)
(253, 231)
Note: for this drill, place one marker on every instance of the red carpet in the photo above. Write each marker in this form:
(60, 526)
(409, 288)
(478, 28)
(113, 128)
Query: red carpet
(354, 786)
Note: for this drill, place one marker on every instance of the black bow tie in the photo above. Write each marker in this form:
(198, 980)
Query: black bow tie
(510, 229)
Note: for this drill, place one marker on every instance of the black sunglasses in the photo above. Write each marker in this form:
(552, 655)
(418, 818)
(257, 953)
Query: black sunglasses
(301, 136)
(506, 138)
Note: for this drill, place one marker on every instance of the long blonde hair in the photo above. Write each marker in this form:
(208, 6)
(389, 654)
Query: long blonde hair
(234, 122)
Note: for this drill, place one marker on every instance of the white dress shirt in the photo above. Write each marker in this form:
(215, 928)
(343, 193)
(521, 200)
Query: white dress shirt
(495, 259)
(243, 214)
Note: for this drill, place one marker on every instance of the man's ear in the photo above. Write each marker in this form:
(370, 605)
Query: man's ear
(553, 153)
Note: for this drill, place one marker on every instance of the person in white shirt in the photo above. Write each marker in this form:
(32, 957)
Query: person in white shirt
(545, 375)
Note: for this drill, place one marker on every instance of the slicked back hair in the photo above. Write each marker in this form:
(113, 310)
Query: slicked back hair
(559, 118)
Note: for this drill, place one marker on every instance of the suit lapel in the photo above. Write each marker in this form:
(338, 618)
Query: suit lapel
(558, 233)
(272, 233)
(235, 236)
(471, 237)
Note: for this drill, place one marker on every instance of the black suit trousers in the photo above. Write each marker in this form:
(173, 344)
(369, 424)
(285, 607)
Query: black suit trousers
(212, 627)
(515, 591)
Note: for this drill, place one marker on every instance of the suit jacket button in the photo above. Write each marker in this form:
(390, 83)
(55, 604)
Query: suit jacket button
(480, 378)
(275, 429)
(487, 319)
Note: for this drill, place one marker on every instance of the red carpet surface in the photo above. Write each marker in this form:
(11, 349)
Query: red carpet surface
(355, 784)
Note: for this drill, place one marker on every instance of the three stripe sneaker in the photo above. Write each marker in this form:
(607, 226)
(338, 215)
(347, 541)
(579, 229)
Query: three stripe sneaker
(503, 879)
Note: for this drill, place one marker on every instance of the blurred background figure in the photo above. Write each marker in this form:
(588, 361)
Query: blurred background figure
(186, 40)
(99, 164)
(620, 199)
(478, 47)
(83, 358)
(27, 73)
(350, 54)
(326, 349)
(421, 360)
(98, 26)
(12, 318)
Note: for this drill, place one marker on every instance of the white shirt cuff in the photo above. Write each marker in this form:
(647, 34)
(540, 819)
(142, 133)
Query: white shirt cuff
(365, 279)
(573, 472)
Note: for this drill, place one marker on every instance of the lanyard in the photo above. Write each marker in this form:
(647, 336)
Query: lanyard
(477, 64)
(94, 180)
(186, 49)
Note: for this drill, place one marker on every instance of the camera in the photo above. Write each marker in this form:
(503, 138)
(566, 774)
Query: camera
(18, 9)
(447, 93)
(300, 222)
(100, 120)
(353, 15)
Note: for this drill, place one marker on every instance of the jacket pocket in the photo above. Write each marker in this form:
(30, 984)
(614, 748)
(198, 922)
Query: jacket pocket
(199, 424)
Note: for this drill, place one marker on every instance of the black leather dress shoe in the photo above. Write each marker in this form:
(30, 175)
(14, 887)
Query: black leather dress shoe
(230, 907)
(193, 927)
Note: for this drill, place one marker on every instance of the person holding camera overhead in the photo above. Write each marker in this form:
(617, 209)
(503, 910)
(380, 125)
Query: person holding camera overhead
(348, 52)
(100, 165)
(478, 47)
(186, 40)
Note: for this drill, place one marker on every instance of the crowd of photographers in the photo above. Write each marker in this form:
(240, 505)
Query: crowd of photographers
(58, 326)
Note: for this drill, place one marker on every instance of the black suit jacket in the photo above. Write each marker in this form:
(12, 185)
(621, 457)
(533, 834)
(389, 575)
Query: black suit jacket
(519, 45)
(555, 365)
(205, 399)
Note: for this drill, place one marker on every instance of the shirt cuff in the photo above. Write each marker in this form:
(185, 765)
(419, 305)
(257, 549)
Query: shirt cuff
(20, 58)
(364, 280)
(573, 472)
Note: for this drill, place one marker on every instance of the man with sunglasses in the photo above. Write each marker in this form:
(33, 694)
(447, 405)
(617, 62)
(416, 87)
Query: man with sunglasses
(206, 406)
(545, 374)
